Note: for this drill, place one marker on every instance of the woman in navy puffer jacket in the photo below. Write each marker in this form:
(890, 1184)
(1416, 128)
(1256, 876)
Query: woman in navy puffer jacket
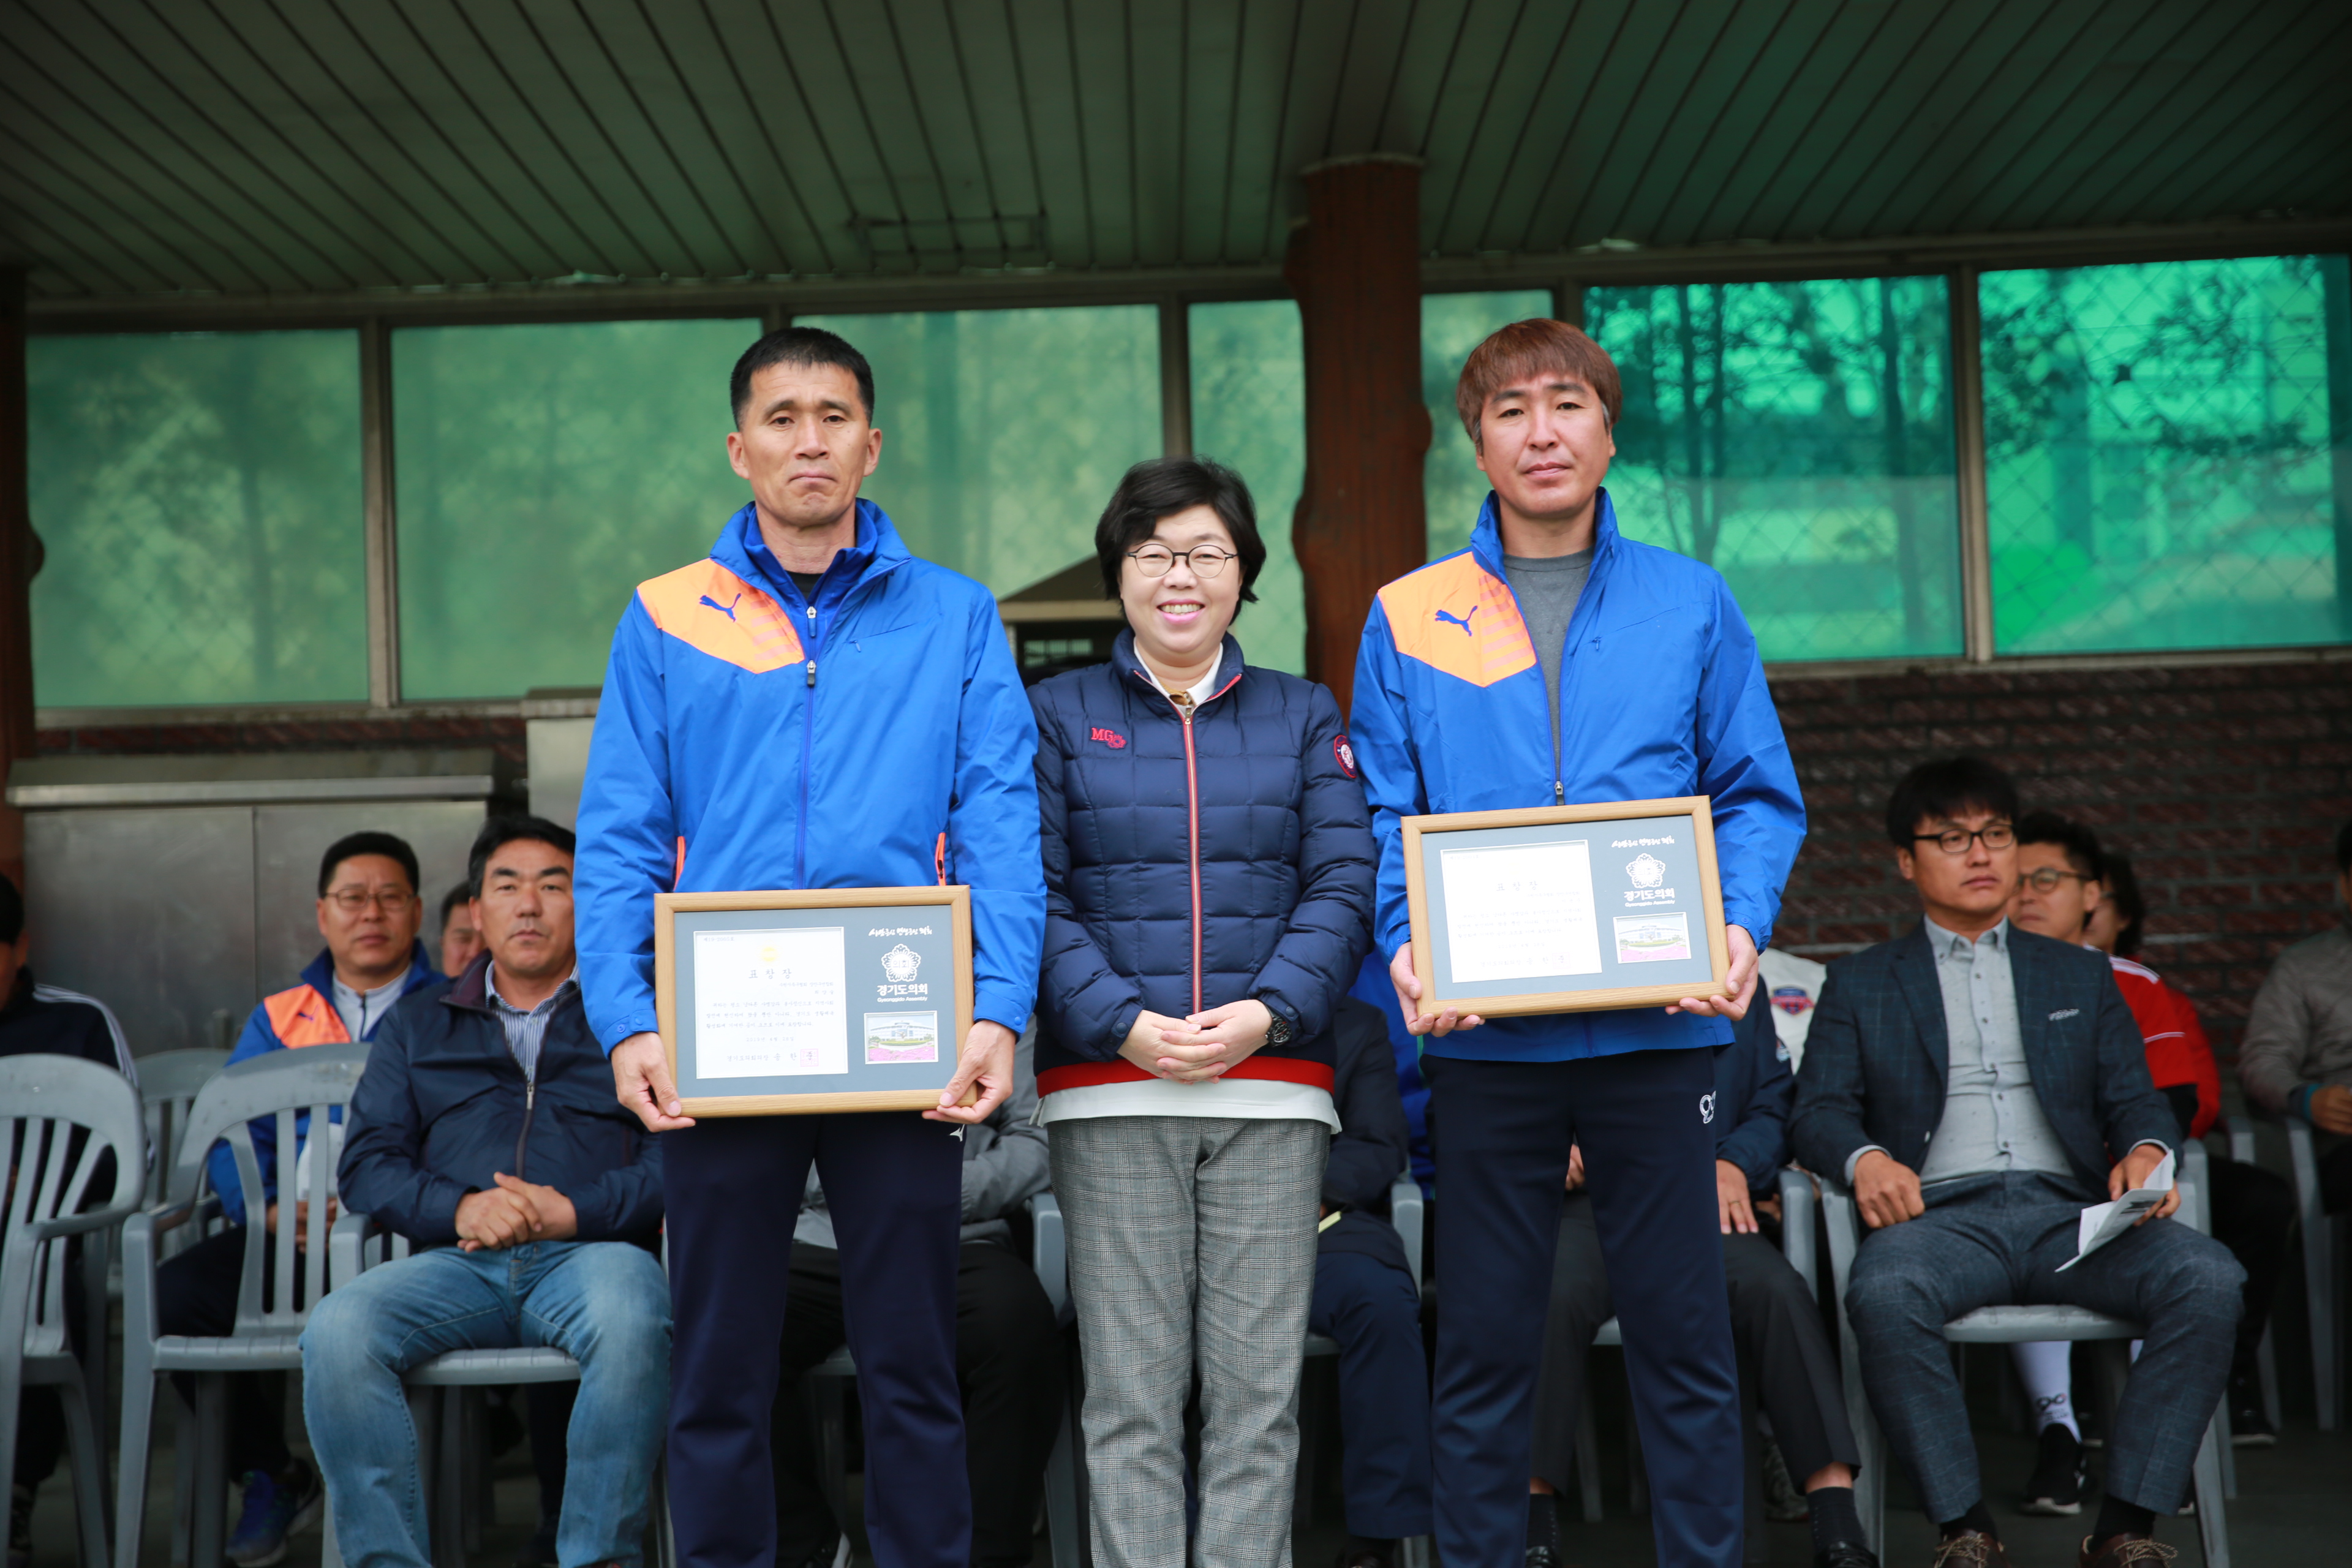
(1209, 872)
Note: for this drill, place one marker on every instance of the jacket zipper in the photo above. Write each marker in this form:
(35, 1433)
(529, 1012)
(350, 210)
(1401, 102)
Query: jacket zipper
(529, 1098)
(1192, 816)
(808, 758)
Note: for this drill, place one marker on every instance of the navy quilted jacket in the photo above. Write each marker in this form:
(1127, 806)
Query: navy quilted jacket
(1189, 865)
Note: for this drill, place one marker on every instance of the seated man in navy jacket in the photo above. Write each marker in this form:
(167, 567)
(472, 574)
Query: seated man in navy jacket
(1367, 1299)
(485, 1131)
(1777, 1324)
(1977, 1086)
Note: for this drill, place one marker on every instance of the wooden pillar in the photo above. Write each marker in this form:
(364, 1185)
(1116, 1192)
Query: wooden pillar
(20, 557)
(1355, 268)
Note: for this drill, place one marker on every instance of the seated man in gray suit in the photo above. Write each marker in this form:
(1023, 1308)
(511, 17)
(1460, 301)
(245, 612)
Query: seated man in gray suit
(1977, 1086)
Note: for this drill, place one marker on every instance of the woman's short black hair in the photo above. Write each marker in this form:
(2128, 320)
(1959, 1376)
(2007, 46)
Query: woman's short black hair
(1944, 788)
(1163, 487)
(2122, 890)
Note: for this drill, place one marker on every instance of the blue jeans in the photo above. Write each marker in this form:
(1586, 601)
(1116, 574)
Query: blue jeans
(1998, 1240)
(605, 1303)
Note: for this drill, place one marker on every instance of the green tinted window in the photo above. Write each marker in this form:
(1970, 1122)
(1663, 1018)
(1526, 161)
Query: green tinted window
(2157, 454)
(1005, 431)
(544, 472)
(199, 499)
(1451, 326)
(1249, 412)
(1797, 438)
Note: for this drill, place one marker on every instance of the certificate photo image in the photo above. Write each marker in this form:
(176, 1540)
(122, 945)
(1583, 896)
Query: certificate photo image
(892, 1038)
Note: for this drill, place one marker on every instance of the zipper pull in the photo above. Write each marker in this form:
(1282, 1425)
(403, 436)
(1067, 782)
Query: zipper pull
(812, 616)
(1558, 794)
(812, 673)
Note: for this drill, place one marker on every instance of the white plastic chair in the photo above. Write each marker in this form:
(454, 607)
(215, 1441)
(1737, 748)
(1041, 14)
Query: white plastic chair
(168, 1084)
(2241, 1149)
(50, 1098)
(2318, 1271)
(281, 1087)
(2015, 1325)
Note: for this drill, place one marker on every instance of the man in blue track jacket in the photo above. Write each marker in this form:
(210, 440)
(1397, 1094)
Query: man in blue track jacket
(1556, 661)
(811, 706)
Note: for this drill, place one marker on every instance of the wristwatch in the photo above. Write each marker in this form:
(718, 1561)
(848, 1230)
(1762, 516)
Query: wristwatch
(1278, 1032)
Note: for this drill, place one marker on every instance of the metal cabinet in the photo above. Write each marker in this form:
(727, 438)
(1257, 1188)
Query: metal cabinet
(181, 890)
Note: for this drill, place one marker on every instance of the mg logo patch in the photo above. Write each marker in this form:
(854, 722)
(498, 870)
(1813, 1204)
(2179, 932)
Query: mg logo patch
(1111, 738)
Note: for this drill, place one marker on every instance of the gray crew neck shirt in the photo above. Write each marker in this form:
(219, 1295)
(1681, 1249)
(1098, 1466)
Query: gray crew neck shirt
(1548, 587)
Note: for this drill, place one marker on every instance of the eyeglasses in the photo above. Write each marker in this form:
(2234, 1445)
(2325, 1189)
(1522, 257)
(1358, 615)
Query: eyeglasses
(2047, 879)
(391, 900)
(1956, 840)
(1205, 559)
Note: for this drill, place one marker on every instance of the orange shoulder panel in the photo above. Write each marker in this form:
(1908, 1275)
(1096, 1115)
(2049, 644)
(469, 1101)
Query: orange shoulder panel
(1458, 617)
(303, 1017)
(710, 608)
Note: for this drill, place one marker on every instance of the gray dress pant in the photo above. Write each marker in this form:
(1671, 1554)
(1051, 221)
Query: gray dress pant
(1191, 1251)
(1989, 1241)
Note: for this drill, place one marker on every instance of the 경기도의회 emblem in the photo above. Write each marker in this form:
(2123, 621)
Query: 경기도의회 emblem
(1647, 870)
(899, 965)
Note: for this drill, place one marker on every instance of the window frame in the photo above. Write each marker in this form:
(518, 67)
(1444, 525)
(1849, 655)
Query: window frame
(1959, 260)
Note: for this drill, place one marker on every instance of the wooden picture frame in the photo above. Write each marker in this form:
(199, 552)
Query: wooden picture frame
(909, 987)
(1646, 909)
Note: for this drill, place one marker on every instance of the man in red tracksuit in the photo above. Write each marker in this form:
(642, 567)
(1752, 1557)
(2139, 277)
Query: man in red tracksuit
(2063, 876)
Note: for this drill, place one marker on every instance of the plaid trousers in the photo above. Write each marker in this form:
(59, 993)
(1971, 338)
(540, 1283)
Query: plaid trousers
(1191, 1250)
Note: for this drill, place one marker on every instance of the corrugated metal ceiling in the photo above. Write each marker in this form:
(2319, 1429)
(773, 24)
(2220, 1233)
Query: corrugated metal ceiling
(253, 146)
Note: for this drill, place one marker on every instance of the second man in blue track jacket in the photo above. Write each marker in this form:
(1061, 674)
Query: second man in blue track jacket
(1557, 661)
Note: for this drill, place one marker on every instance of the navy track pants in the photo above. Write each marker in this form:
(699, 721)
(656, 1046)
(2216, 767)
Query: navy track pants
(1501, 1133)
(733, 1188)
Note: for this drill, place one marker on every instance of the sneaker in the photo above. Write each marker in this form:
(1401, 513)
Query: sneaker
(2250, 1423)
(2059, 1475)
(275, 1508)
(20, 1526)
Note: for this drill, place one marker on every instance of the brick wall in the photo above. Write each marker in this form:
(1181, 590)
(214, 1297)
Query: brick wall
(2226, 783)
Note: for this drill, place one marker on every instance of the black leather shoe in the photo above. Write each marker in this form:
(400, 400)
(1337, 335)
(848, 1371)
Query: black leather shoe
(1542, 1557)
(1844, 1554)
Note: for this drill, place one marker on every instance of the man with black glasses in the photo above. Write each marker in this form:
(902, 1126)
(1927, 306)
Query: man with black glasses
(1977, 1086)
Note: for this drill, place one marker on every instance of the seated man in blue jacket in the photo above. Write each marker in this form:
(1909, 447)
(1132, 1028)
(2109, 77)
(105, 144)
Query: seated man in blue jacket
(1978, 1086)
(1778, 1325)
(1367, 1299)
(484, 1130)
(369, 914)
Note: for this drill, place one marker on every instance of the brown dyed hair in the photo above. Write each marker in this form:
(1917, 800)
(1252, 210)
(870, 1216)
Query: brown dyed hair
(1527, 349)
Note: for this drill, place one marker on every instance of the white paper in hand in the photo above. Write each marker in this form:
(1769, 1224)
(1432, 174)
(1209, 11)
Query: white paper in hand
(2102, 1223)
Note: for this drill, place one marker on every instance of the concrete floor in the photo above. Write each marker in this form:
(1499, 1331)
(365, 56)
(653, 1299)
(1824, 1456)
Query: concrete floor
(2294, 1509)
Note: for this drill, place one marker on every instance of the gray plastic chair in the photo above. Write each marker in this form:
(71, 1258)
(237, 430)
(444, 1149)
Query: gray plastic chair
(1797, 1245)
(282, 1086)
(168, 1084)
(48, 1097)
(447, 1444)
(2241, 1149)
(2318, 1271)
(2015, 1325)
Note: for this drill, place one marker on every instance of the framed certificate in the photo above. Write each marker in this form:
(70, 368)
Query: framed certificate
(1566, 909)
(830, 999)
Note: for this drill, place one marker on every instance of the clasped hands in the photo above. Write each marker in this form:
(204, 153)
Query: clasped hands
(1201, 1046)
(512, 1213)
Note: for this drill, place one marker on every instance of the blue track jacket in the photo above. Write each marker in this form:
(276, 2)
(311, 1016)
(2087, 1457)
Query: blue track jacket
(1661, 694)
(751, 740)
